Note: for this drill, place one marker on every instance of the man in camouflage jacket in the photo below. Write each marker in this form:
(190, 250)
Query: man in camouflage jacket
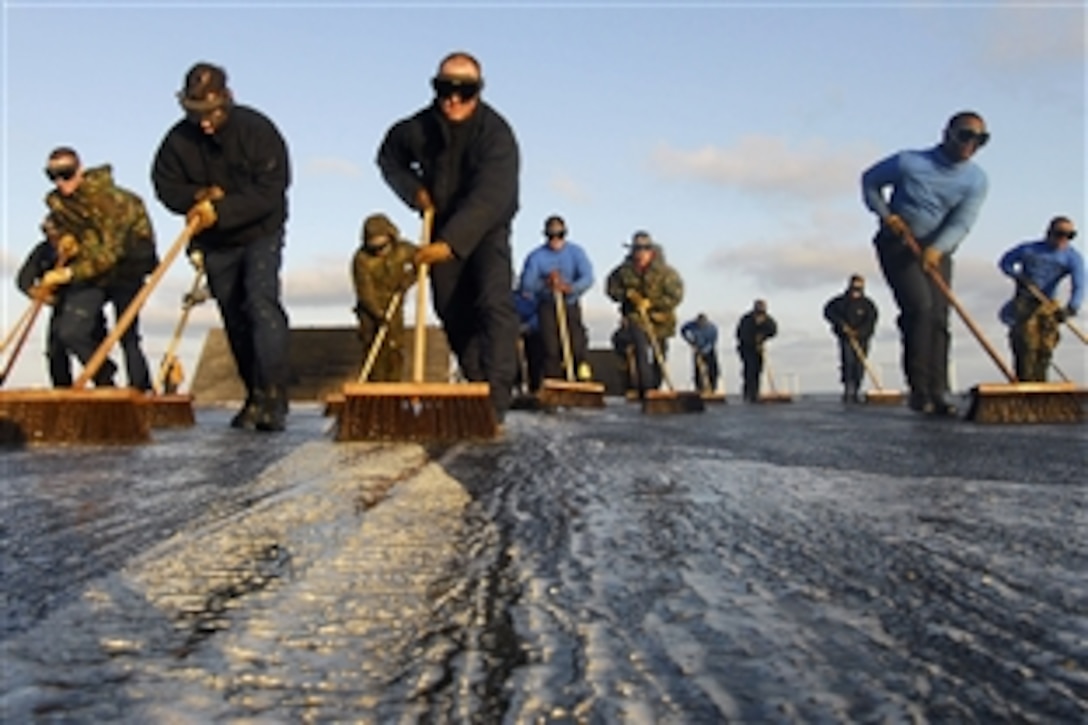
(648, 290)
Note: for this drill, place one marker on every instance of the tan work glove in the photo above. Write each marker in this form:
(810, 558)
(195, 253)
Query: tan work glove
(196, 258)
(896, 225)
(434, 253)
(931, 259)
(67, 246)
(56, 277)
(642, 304)
(210, 193)
(203, 215)
(423, 200)
(43, 294)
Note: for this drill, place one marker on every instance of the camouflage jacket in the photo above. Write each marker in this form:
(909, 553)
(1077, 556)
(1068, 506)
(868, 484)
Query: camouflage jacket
(108, 222)
(378, 276)
(659, 283)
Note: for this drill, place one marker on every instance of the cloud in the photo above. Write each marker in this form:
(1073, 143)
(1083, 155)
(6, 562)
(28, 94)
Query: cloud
(769, 165)
(316, 286)
(1022, 37)
(331, 166)
(807, 262)
(569, 189)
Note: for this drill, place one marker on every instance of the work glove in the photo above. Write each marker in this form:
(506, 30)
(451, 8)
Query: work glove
(434, 253)
(638, 301)
(67, 246)
(896, 225)
(847, 330)
(56, 277)
(1061, 314)
(931, 259)
(196, 258)
(43, 294)
(423, 200)
(192, 299)
(556, 283)
(202, 215)
(209, 193)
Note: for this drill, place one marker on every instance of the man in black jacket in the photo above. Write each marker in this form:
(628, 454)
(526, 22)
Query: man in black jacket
(225, 166)
(753, 329)
(459, 158)
(852, 316)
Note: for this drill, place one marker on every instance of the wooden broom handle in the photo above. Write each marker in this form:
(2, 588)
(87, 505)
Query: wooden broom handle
(133, 309)
(935, 275)
(658, 356)
(419, 349)
(18, 326)
(564, 334)
(864, 361)
(1038, 294)
(30, 317)
(168, 356)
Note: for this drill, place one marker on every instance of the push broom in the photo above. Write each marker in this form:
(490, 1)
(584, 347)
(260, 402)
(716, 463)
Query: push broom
(21, 331)
(168, 409)
(1014, 401)
(80, 415)
(334, 403)
(706, 393)
(417, 411)
(1043, 299)
(668, 401)
(879, 395)
(569, 393)
(774, 395)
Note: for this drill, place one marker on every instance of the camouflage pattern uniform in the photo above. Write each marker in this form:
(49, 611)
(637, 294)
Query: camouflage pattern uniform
(378, 274)
(1033, 337)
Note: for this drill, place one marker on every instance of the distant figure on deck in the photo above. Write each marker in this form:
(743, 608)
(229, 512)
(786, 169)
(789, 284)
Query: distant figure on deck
(1033, 324)
(530, 348)
(853, 317)
(754, 328)
(382, 267)
(702, 335)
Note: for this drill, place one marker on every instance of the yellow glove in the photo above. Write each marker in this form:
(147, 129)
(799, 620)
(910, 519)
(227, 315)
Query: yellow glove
(56, 277)
(211, 193)
(67, 246)
(434, 253)
(895, 223)
(931, 259)
(44, 294)
(202, 215)
(196, 258)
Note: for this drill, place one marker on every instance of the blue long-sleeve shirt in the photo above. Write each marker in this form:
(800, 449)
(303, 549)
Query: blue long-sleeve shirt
(1046, 266)
(702, 337)
(938, 198)
(573, 265)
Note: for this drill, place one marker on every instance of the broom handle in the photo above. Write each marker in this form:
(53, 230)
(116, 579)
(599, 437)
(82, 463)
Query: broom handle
(649, 330)
(419, 351)
(1038, 294)
(564, 334)
(865, 361)
(767, 368)
(31, 317)
(18, 326)
(133, 309)
(168, 356)
(935, 275)
(379, 337)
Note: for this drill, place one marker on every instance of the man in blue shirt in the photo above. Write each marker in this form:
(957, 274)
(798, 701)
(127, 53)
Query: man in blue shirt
(936, 195)
(1033, 325)
(702, 335)
(559, 267)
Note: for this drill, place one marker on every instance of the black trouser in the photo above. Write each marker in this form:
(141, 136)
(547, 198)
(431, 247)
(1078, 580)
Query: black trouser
(709, 367)
(647, 373)
(120, 295)
(751, 360)
(78, 327)
(533, 349)
(56, 354)
(245, 281)
(472, 299)
(923, 316)
(549, 337)
(851, 369)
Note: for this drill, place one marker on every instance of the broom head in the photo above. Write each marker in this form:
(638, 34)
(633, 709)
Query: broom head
(775, 397)
(169, 410)
(419, 412)
(884, 397)
(334, 403)
(97, 416)
(1027, 403)
(710, 397)
(665, 402)
(556, 393)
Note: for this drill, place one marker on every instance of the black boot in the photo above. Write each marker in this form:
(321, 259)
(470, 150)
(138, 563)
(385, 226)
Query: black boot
(104, 377)
(272, 416)
(246, 418)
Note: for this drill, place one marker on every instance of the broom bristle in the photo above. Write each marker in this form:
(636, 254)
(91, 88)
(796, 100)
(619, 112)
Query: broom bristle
(1027, 403)
(717, 398)
(775, 398)
(663, 402)
(564, 394)
(168, 410)
(884, 397)
(334, 403)
(417, 412)
(92, 417)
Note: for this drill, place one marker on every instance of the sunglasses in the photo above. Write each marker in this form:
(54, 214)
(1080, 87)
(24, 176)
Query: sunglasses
(555, 233)
(966, 136)
(445, 88)
(66, 173)
(1066, 233)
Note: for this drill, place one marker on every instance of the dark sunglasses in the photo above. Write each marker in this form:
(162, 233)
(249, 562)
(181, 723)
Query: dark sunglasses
(66, 173)
(466, 90)
(555, 233)
(1066, 233)
(966, 136)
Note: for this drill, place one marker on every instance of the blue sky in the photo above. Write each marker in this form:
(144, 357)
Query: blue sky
(734, 132)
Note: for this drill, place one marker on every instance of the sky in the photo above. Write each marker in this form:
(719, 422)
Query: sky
(735, 133)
